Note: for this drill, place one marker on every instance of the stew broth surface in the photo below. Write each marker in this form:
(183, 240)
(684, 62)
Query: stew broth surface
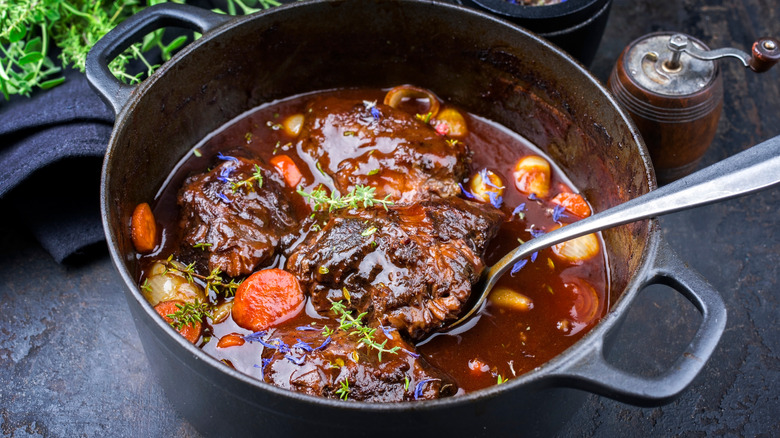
(564, 297)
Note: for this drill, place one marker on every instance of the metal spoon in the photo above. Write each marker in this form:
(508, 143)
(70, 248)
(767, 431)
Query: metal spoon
(749, 171)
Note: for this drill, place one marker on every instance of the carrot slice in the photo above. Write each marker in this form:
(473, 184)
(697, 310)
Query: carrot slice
(143, 228)
(231, 340)
(573, 203)
(288, 169)
(267, 298)
(190, 332)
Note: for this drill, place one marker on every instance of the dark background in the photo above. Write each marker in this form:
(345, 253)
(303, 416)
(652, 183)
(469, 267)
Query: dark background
(71, 363)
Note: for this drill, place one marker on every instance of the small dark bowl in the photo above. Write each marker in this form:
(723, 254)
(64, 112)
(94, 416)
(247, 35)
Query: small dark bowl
(576, 26)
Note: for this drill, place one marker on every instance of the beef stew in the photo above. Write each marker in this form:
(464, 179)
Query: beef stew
(379, 213)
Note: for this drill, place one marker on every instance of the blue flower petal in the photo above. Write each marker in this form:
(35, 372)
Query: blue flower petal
(495, 199)
(558, 213)
(224, 198)
(226, 157)
(518, 266)
(418, 388)
(466, 192)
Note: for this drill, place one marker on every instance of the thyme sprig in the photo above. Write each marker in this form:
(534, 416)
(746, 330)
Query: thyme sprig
(29, 28)
(245, 6)
(343, 389)
(257, 175)
(214, 281)
(354, 326)
(360, 195)
(190, 313)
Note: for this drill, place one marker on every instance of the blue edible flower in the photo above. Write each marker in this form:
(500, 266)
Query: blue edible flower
(295, 360)
(495, 199)
(466, 192)
(226, 157)
(256, 336)
(486, 179)
(418, 388)
(518, 266)
(224, 174)
(224, 198)
(325, 343)
(303, 346)
(411, 353)
(557, 213)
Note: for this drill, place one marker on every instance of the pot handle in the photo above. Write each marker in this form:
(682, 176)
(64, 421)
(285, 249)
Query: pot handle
(112, 90)
(590, 371)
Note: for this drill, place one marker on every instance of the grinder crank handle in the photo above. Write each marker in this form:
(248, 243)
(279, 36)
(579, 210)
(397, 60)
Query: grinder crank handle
(764, 53)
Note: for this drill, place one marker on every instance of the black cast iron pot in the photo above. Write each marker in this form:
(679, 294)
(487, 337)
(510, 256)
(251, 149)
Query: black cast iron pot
(574, 25)
(485, 65)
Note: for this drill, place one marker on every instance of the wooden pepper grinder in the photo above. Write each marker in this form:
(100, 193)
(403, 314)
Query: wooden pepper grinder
(671, 86)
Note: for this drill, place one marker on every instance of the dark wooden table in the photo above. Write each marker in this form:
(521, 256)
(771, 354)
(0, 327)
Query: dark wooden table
(71, 363)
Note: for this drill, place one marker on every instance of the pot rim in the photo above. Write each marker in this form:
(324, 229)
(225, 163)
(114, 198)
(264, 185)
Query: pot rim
(535, 378)
(542, 12)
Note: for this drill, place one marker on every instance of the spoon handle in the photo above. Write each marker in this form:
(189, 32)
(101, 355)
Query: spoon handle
(749, 171)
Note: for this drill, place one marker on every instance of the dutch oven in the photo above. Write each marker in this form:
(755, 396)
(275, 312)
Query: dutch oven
(573, 25)
(483, 64)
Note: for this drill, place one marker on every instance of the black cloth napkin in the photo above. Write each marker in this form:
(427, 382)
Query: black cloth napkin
(51, 150)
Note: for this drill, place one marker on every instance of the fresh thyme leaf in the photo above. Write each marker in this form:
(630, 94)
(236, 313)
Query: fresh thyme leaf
(246, 6)
(353, 325)
(360, 195)
(30, 28)
(190, 313)
(343, 390)
(146, 286)
(257, 175)
(214, 281)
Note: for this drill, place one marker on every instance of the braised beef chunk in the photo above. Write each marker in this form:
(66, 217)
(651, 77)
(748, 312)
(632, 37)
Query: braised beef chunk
(372, 144)
(341, 366)
(409, 267)
(238, 222)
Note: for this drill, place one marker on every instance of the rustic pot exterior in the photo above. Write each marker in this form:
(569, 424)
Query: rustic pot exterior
(483, 64)
(576, 26)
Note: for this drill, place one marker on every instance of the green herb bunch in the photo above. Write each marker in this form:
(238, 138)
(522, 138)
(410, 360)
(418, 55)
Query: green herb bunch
(191, 313)
(354, 326)
(214, 281)
(360, 195)
(257, 175)
(31, 29)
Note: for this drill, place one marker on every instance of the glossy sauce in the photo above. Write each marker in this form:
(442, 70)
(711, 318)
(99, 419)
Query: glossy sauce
(567, 298)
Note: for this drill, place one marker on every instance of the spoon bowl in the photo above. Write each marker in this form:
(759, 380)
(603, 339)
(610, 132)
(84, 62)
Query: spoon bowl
(755, 169)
